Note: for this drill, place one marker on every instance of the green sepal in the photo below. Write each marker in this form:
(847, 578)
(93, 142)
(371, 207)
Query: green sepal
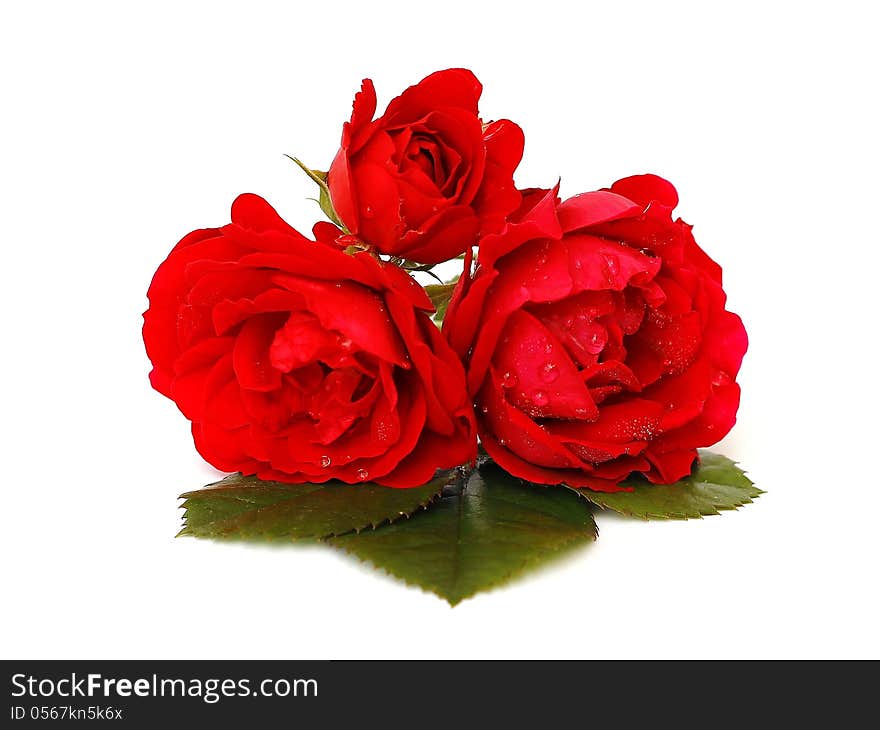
(324, 201)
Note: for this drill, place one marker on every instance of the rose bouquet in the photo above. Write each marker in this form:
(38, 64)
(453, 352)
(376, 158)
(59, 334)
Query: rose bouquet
(458, 432)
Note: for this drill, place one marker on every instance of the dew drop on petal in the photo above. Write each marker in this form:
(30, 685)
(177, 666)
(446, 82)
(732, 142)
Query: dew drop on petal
(369, 212)
(325, 461)
(345, 343)
(509, 380)
(549, 373)
(363, 474)
(612, 267)
(383, 431)
(539, 398)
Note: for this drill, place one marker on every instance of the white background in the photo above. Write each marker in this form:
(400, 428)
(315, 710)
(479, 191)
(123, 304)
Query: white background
(123, 127)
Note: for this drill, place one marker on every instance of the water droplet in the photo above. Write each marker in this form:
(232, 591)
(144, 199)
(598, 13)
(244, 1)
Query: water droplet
(345, 343)
(363, 474)
(539, 398)
(593, 337)
(544, 253)
(383, 431)
(325, 461)
(338, 285)
(549, 373)
(369, 212)
(503, 442)
(509, 380)
(612, 266)
(548, 348)
(485, 409)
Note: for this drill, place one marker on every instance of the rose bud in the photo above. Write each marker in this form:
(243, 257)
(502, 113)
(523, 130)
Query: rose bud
(421, 181)
(596, 339)
(299, 362)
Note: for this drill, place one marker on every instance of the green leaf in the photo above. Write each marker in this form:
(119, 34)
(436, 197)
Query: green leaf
(242, 507)
(320, 178)
(440, 294)
(715, 484)
(479, 537)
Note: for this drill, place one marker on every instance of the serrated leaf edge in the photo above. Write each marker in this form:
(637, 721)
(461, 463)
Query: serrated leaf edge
(185, 532)
(682, 516)
(524, 566)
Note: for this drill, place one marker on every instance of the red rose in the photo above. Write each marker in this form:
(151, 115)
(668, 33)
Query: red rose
(298, 362)
(421, 181)
(596, 339)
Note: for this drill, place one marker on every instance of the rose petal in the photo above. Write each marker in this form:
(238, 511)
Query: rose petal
(598, 264)
(222, 448)
(253, 213)
(516, 431)
(682, 396)
(538, 221)
(254, 367)
(223, 404)
(713, 424)
(497, 195)
(353, 310)
(523, 469)
(644, 189)
(443, 237)
(454, 87)
(590, 209)
(670, 466)
(538, 375)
